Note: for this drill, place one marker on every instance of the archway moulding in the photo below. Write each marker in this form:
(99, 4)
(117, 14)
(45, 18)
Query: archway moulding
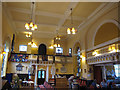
(77, 43)
(108, 42)
(104, 22)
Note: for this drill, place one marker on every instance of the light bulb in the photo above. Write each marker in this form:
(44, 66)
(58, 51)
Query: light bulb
(68, 31)
(73, 30)
(29, 43)
(51, 47)
(26, 35)
(26, 25)
(55, 45)
(58, 45)
(35, 26)
(31, 24)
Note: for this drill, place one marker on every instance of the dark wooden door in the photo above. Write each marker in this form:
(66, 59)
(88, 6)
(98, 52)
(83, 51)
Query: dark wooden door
(41, 77)
(98, 73)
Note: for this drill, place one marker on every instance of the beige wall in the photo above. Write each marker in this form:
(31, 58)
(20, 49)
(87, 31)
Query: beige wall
(68, 66)
(22, 40)
(109, 15)
(12, 68)
(0, 42)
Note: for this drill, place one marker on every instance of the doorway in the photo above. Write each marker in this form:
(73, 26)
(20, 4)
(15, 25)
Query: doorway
(98, 73)
(41, 77)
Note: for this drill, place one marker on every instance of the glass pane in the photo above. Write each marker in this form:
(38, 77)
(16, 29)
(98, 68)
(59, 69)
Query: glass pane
(39, 74)
(43, 74)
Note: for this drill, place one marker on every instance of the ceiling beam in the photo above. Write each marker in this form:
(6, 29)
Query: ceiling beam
(43, 13)
(40, 24)
(37, 31)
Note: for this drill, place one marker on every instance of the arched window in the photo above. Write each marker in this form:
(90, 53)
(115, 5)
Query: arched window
(78, 62)
(42, 49)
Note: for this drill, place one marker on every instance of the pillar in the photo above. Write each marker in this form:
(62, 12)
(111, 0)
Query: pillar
(0, 43)
(47, 74)
(53, 70)
(74, 64)
(104, 72)
(35, 81)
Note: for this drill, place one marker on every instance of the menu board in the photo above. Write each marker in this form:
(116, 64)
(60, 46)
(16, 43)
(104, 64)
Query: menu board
(19, 58)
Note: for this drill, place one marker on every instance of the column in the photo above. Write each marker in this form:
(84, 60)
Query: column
(53, 70)
(104, 72)
(0, 43)
(47, 74)
(35, 82)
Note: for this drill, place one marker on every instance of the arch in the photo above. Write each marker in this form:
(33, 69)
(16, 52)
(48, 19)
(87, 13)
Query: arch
(42, 49)
(75, 46)
(103, 23)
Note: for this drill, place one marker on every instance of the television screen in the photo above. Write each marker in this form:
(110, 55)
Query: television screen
(23, 48)
(59, 50)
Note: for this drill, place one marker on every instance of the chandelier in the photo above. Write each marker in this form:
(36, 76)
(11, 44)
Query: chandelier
(31, 26)
(58, 38)
(71, 30)
(32, 43)
(55, 42)
(28, 34)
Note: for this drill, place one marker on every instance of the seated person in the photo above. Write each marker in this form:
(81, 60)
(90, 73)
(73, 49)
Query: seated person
(70, 81)
(103, 84)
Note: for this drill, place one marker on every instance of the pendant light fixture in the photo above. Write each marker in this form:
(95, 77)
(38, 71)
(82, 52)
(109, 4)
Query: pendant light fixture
(31, 26)
(33, 45)
(71, 30)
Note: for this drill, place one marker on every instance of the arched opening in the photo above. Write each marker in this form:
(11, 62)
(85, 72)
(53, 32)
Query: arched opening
(77, 66)
(106, 32)
(42, 49)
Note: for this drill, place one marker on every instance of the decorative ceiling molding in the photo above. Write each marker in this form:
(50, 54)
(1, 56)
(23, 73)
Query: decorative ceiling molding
(40, 24)
(43, 13)
(37, 31)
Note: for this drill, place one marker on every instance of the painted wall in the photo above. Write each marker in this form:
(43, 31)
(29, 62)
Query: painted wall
(22, 40)
(12, 68)
(0, 43)
(68, 66)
